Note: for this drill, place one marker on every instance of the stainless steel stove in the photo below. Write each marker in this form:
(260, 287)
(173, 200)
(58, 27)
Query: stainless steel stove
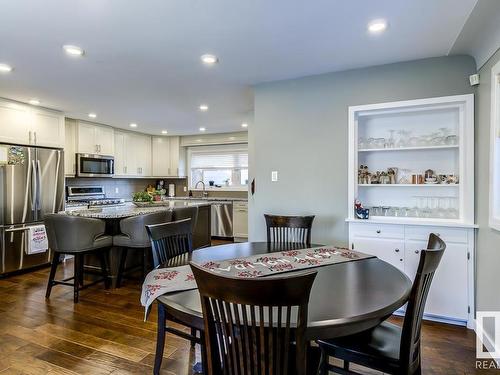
(90, 196)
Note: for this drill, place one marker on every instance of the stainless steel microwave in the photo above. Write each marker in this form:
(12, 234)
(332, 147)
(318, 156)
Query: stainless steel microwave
(88, 165)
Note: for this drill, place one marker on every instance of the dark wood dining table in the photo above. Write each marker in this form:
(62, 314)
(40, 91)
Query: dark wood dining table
(346, 298)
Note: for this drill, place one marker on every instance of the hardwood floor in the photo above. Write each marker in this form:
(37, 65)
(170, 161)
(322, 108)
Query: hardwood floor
(105, 333)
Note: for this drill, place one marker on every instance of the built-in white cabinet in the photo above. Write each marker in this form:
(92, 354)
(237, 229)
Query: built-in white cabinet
(70, 148)
(165, 156)
(29, 125)
(451, 297)
(240, 221)
(411, 163)
(132, 154)
(95, 139)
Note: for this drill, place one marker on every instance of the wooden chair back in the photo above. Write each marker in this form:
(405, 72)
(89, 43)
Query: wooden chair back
(250, 323)
(289, 229)
(169, 241)
(410, 337)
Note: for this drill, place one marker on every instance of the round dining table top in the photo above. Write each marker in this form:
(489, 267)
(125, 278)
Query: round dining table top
(346, 298)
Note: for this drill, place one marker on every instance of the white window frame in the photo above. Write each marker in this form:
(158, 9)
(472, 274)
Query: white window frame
(221, 148)
(494, 219)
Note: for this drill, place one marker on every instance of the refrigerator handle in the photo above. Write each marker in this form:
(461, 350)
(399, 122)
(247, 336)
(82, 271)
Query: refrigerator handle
(38, 185)
(34, 186)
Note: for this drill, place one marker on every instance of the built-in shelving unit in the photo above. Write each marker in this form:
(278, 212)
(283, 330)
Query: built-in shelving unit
(416, 136)
(412, 137)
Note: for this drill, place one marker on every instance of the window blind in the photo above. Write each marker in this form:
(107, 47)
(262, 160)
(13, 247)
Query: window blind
(219, 159)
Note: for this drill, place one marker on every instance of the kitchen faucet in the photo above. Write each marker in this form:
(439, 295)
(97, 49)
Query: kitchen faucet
(205, 193)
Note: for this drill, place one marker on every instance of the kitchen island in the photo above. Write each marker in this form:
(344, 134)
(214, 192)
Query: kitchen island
(112, 215)
(129, 209)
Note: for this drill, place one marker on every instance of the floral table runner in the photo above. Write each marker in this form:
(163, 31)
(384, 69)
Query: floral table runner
(175, 279)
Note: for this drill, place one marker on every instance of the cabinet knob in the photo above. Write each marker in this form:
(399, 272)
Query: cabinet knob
(397, 250)
(378, 231)
(417, 251)
(401, 260)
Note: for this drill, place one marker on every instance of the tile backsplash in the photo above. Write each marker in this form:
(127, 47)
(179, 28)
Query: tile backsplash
(125, 187)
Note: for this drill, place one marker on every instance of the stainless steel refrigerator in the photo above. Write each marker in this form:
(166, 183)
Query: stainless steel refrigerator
(31, 186)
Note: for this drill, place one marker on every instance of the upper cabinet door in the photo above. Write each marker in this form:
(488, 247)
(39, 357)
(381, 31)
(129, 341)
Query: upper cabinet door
(174, 156)
(47, 128)
(86, 138)
(160, 156)
(104, 140)
(15, 123)
(70, 147)
(120, 154)
(95, 139)
(145, 155)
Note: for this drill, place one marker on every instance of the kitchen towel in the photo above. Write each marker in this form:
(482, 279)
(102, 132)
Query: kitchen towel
(37, 240)
(176, 279)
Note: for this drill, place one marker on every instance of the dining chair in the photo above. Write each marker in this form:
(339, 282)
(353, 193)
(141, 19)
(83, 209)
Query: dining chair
(255, 326)
(388, 347)
(171, 245)
(289, 229)
(77, 236)
(134, 237)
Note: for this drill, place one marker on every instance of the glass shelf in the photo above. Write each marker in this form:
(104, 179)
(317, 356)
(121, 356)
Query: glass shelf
(443, 147)
(409, 185)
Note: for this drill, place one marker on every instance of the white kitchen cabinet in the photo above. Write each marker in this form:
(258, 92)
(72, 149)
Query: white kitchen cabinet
(240, 221)
(15, 123)
(389, 250)
(48, 128)
(161, 156)
(27, 125)
(120, 154)
(165, 156)
(143, 154)
(95, 139)
(451, 297)
(132, 154)
(70, 148)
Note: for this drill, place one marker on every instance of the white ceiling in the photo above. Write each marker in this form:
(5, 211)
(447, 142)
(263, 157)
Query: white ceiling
(142, 61)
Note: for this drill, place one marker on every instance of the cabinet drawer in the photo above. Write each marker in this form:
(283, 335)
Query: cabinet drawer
(376, 230)
(421, 233)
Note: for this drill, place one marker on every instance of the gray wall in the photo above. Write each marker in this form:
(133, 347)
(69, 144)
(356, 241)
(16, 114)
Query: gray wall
(488, 240)
(300, 130)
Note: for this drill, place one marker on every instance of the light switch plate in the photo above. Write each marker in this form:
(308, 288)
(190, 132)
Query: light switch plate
(274, 176)
(117, 191)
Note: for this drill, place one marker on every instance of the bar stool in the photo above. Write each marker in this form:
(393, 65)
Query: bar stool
(77, 236)
(188, 212)
(134, 237)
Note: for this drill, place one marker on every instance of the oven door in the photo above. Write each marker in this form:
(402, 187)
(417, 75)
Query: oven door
(94, 165)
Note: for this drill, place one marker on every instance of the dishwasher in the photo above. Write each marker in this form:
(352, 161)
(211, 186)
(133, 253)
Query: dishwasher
(222, 219)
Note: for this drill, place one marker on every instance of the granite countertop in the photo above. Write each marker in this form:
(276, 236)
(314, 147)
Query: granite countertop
(130, 209)
(209, 199)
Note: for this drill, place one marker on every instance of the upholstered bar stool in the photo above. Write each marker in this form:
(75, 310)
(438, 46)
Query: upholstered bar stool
(134, 237)
(77, 236)
(188, 212)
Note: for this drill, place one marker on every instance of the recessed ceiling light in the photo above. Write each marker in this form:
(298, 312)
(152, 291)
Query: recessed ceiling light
(133, 125)
(202, 129)
(377, 26)
(164, 132)
(73, 50)
(92, 115)
(244, 125)
(209, 59)
(203, 107)
(34, 102)
(5, 68)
